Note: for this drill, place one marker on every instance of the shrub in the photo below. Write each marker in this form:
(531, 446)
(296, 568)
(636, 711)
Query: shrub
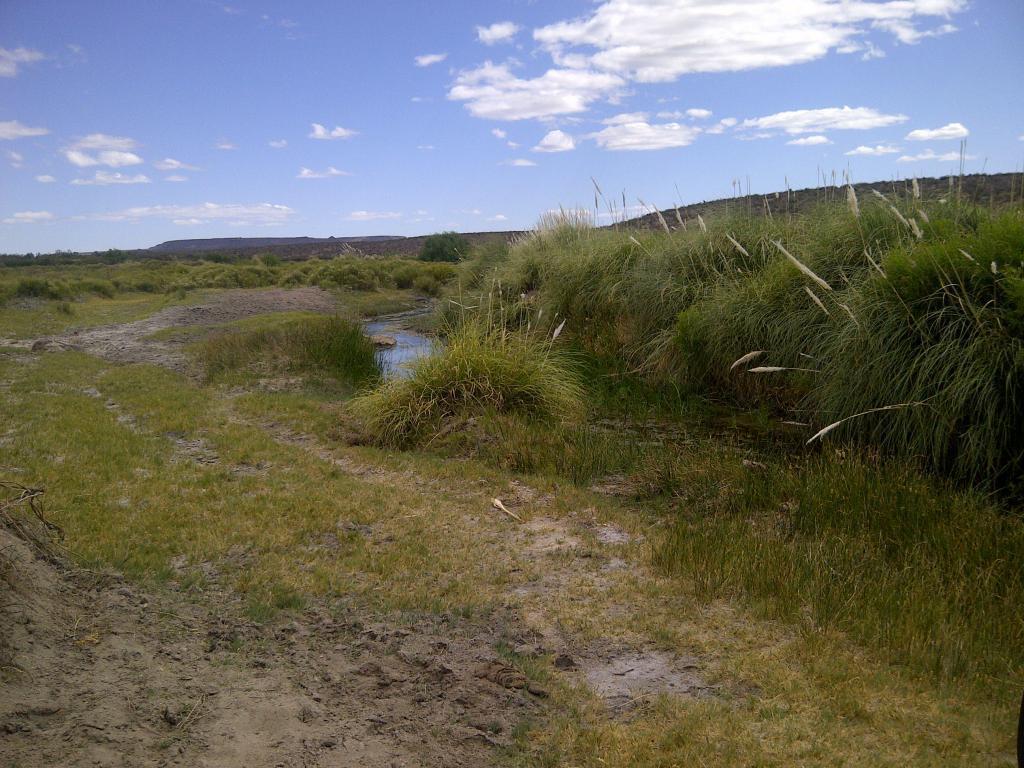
(445, 246)
(480, 369)
(427, 284)
(35, 288)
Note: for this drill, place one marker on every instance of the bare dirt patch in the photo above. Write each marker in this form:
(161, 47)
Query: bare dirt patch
(129, 342)
(99, 673)
(626, 677)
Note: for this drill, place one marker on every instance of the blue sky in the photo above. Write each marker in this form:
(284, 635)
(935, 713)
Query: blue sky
(126, 124)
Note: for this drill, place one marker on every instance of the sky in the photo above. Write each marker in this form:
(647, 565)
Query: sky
(126, 124)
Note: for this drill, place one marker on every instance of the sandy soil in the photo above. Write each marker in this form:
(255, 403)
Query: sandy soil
(100, 673)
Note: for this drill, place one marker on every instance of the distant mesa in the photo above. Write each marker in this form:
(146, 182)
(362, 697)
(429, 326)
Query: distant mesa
(234, 243)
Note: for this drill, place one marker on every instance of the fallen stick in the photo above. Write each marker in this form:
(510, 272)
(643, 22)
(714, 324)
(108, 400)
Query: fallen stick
(498, 505)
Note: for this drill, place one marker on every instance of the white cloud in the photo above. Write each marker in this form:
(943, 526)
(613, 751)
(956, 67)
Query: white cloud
(177, 177)
(660, 40)
(519, 162)
(908, 34)
(491, 91)
(620, 41)
(16, 159)
(556, 141)
(428, 59)
(810, 141)
(950, 131)
(698, 113)
(105, 141)
(498, 133)
(170, 164)
(499, 32)
(633, 132)
(233, 213)
(721, 125)
(12, 129)
(320, 132)
(929, 154)
(29, 217)
(826, 119)
(278, 143)
(111, 157)
(11, 59)
(307, 173)
(626, 117)
(104, 178)
(225, 145)
(45, 179)
(373, 215)
(876, 151)
(498, 217)
(425, 147)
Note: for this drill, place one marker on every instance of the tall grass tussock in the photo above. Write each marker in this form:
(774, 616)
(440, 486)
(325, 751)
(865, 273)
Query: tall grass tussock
(481, 368)
(331, 346)
(854, 310)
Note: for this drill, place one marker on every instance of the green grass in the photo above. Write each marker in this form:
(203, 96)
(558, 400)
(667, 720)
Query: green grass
(927, 575)
(924, 570)
(331, 346)
(342, 273)
(37, 317)
(850, 607)
(128, 499)
(902, 320)
(479, 369)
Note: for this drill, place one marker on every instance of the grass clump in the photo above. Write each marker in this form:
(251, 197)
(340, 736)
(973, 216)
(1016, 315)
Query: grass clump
(481, 368)
(332, 346)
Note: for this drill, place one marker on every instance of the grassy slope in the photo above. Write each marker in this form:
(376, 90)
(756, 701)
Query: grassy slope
(127, 499)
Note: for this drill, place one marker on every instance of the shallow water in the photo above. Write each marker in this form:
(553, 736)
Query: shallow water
(409, 346)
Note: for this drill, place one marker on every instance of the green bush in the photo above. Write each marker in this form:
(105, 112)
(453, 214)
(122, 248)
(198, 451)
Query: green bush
(445, 246)
(35, 288)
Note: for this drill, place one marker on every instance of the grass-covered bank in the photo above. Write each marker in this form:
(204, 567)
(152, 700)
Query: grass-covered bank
(897, 321)
(890, 326)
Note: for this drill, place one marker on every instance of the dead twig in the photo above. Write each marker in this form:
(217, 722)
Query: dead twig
(35, 529)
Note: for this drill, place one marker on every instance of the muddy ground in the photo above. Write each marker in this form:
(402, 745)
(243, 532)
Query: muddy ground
(97, 672)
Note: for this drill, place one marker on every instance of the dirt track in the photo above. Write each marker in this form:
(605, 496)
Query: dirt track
(129, 342)
(111, 676)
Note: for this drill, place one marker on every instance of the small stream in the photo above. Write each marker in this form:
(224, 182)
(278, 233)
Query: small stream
(409, 345)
